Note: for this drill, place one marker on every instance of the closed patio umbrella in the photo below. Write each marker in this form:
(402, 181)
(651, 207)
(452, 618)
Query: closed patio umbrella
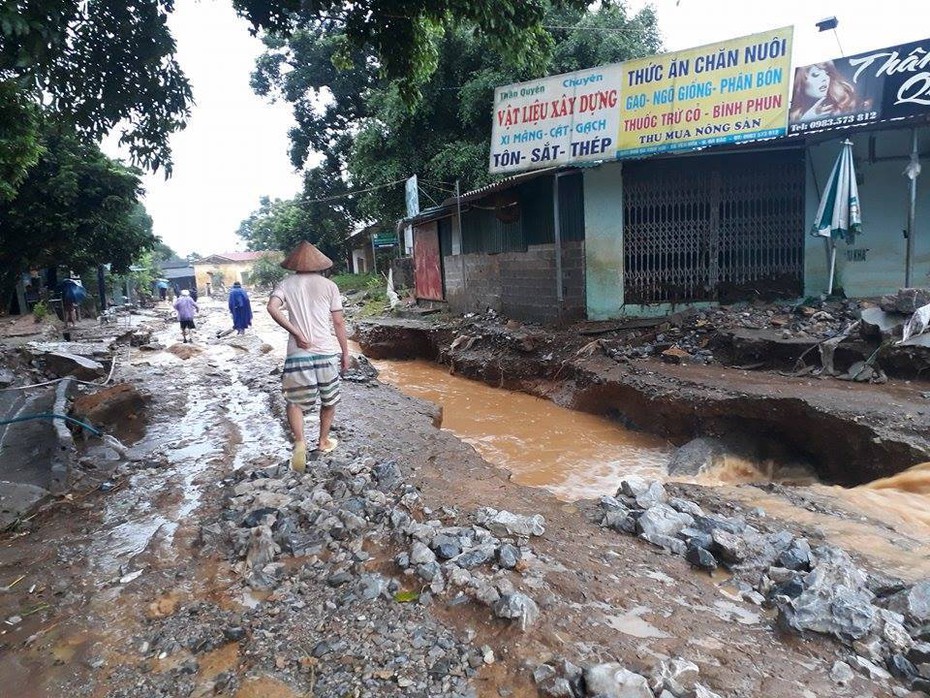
(838, 215)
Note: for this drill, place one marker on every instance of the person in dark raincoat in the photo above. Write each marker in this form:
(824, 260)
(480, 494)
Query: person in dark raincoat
(72, 295)
(240, 307)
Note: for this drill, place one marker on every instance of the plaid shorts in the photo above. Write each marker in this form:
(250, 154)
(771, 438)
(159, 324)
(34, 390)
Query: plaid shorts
(309, 376)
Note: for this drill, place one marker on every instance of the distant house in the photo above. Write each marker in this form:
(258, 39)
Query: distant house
(223, 270)
(361, 253)
(180, 273)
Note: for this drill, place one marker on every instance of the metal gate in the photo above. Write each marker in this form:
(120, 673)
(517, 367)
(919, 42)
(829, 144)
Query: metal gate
(714, 228)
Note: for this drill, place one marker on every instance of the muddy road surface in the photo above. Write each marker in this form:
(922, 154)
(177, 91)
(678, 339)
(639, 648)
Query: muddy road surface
(198, 564)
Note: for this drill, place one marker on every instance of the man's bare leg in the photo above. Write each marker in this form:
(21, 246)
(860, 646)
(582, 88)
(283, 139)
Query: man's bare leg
(295, 419)
(326, 421)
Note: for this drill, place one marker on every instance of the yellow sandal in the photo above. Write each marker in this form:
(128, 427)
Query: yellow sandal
(299, 457)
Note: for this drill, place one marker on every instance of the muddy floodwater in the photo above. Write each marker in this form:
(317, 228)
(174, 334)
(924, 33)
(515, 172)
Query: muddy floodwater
(572, 454)
(576, 456)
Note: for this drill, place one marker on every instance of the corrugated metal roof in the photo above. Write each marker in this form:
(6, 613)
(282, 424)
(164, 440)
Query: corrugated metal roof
(447, 207)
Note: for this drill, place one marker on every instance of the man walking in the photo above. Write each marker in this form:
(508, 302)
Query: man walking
(313, 364)
(186, 308)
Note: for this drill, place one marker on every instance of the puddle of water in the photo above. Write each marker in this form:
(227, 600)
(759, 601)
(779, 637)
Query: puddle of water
(632, 624)
(573, 454)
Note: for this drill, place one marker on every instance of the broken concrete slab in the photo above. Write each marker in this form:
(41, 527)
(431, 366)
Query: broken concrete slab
(63, 364)
(17, 500)
(880, 324)
(906, 300)
(770, 347)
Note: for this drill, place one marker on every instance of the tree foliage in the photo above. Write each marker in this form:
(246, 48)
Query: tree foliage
(96, 65)
(75, 207)
(282, 224)
(267, 271)
(373, 134)
(403, 37)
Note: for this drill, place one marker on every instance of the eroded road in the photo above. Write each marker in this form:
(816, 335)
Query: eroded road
(149, 589)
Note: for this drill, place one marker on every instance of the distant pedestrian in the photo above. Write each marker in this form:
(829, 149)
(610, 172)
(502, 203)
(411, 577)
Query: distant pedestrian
(186, 308)
(194, 294)
(313, 364)
(240, 307)
(72, 295)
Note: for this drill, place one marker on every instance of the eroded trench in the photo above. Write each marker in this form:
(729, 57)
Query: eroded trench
(574, 441)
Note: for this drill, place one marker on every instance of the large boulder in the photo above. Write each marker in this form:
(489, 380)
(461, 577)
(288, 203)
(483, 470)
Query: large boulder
(697, 456)
(835, 600)
(614, 680)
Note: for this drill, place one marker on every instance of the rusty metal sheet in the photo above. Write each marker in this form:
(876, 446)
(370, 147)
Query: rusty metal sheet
(427, 263)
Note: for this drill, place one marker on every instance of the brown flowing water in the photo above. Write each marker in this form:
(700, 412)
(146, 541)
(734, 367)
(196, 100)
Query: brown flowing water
(572, 454)
(577, 455)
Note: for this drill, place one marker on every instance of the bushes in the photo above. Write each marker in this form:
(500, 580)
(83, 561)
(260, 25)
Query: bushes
(40, 311)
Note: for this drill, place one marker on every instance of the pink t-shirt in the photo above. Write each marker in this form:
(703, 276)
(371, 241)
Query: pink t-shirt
(310, 300)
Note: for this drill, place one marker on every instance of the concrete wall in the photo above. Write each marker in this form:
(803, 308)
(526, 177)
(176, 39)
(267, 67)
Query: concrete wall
(603, 230)
(361, 260)
(883, 194)
(230, 273)
(520, 285)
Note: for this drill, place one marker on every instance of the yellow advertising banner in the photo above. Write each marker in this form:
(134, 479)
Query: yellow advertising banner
(722, 93)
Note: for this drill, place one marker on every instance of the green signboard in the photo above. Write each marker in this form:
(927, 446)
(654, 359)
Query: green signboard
(384, 240)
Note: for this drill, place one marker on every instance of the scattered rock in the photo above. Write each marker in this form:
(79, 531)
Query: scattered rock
(875, 673)
(505, 523)
(676, 675)
(662, 520)
(701, 558)
(835, 600)
(517, 606)
(61, 363)
(615, 681)
(508, 556)
(841, 673)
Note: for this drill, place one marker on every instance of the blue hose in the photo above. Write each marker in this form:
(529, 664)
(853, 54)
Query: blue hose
(51, 416)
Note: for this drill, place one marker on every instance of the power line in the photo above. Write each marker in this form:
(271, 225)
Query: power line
(352, 193)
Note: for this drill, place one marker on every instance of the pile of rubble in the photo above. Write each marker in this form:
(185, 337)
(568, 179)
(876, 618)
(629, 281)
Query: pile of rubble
(884, 622)
(319, 546)
(672, 678)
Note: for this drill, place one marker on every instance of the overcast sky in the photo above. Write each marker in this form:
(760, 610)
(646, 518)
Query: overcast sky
(235, 148)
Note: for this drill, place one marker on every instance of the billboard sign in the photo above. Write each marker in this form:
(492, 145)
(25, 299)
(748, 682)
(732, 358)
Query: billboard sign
(561, 119)
(889, 83)
(729, 92)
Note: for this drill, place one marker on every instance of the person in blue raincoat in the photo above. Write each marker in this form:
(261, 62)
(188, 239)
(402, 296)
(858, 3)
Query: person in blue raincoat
(240, 307)
(72, 295)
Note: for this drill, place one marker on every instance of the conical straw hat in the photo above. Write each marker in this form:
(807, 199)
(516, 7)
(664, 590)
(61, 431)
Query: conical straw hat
(306, 257)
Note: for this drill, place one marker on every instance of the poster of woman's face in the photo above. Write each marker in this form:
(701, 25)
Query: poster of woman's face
(821, 91)
(859, 89)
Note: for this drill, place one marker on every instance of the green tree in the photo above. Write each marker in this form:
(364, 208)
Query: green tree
(403, 37)
(96, 65)
(373, 135)
(75, 207)
(19, 138)
(267, 271)
(324, 220)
